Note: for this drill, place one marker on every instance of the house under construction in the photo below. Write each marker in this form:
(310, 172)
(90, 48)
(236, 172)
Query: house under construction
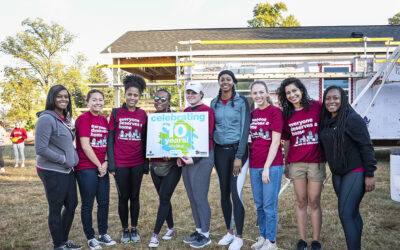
(364, 60)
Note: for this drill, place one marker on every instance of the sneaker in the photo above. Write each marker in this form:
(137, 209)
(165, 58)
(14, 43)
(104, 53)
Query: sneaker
(236, 244)
(93, 244)
(2, 170)
(201, 241)
(135, 237)
(301, 245)
(72, 246)
(126, 236)
(62, 247)
(22, 165)
(169, 234)
(106, 240)
(16, 165)
(268, 245)
(315, 245)
(259, 243)
(154, 242)
(226, 240)
(192, 238)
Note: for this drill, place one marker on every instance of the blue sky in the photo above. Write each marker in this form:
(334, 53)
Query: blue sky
(98, 23)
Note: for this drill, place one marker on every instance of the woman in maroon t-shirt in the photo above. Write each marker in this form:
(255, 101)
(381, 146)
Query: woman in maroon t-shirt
(125, 151)
(266, 163)
(91, 171)
(302, 162)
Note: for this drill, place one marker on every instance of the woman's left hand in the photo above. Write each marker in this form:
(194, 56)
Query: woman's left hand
(369, 184)
(265, 175)
(103, 169)
(237, 167)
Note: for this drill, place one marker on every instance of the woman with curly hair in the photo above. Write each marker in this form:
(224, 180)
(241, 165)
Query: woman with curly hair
(302, 161)
(348, 149)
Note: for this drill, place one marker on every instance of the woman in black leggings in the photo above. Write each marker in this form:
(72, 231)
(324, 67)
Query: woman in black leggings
(350, 155)
(165, 175)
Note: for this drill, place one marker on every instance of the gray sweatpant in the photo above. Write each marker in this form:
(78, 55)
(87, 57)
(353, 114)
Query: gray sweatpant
(19, 150)
(197, 182)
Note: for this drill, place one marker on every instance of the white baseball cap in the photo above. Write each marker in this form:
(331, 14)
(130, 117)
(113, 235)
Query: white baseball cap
(195, 86)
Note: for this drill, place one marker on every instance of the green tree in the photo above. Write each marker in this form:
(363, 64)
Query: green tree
(39, 46)
(395, 20)
(96, 75)
(268, 15)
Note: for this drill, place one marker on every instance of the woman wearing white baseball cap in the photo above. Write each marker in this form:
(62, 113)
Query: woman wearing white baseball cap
(196, 172)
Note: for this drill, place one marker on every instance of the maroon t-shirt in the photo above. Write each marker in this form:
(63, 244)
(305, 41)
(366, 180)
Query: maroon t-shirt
(205, 108)
(302, 131)
(263, 122)
(94, 127)
(129, 137)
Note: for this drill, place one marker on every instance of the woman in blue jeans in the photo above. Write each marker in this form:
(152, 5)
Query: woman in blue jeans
(91, 171)
(351, 157)
(266, 163)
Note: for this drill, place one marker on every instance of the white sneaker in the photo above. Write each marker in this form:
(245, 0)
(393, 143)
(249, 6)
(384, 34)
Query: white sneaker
(93, 244)
(226, 240)
(259, 243)
(22, 165)
(2, 170)
(268, 245)
(169, 234)
(236, 244)
(16, 165)
(154, 242)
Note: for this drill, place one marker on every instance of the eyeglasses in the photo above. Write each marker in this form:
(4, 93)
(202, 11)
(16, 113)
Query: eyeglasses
(162, 99)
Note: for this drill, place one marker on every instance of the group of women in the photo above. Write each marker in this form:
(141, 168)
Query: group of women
(312, 131)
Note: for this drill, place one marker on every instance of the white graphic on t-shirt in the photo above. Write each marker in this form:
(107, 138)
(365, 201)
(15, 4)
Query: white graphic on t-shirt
(303, 132)
(98, 131)
(255, 122)
(126, 126)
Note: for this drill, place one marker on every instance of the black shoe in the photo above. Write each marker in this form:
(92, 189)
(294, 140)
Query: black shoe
(72, 246)
(192, 238)
(315, 245)
(135, 237)
(301, 245)
(126, 236)
(201, 241)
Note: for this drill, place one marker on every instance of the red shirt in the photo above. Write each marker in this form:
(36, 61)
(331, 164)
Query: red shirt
(17, 132)
(203, 108)
(302, 131)
(225, 101)
(94, 127)
(263, 122)
(129, 137)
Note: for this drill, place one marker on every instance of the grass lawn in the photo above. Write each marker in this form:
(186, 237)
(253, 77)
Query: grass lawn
(23, 214)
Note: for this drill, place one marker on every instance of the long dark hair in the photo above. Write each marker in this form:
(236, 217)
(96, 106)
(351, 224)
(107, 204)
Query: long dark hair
(230, 73)
(287, 107)
(133, 80)
(343, 113)
(51, 99)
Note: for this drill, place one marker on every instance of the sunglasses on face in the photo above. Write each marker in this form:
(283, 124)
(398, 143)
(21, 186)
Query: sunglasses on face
(162, 99)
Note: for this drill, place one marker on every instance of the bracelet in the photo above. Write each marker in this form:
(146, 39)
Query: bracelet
(105, 160)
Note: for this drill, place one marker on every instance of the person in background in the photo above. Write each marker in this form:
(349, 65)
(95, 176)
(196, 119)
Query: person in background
(231, 133)
(351, 157)
(303, 163)
(56, 158)
(18, 136)
(91, 171)
(165, 175)
(2, 145)
(266, 163)
(196, 173)
(125, 151)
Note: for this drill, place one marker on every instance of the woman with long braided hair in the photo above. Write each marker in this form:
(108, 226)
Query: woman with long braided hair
(303, 163)
(232, 123)
(348, 149)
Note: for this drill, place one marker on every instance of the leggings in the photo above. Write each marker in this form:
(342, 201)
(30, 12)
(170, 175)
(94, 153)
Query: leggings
(350, 189)
(196, 178)
(128, 181)
(231, 185)
(1, 156)
(18, 149)
(165, 186)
